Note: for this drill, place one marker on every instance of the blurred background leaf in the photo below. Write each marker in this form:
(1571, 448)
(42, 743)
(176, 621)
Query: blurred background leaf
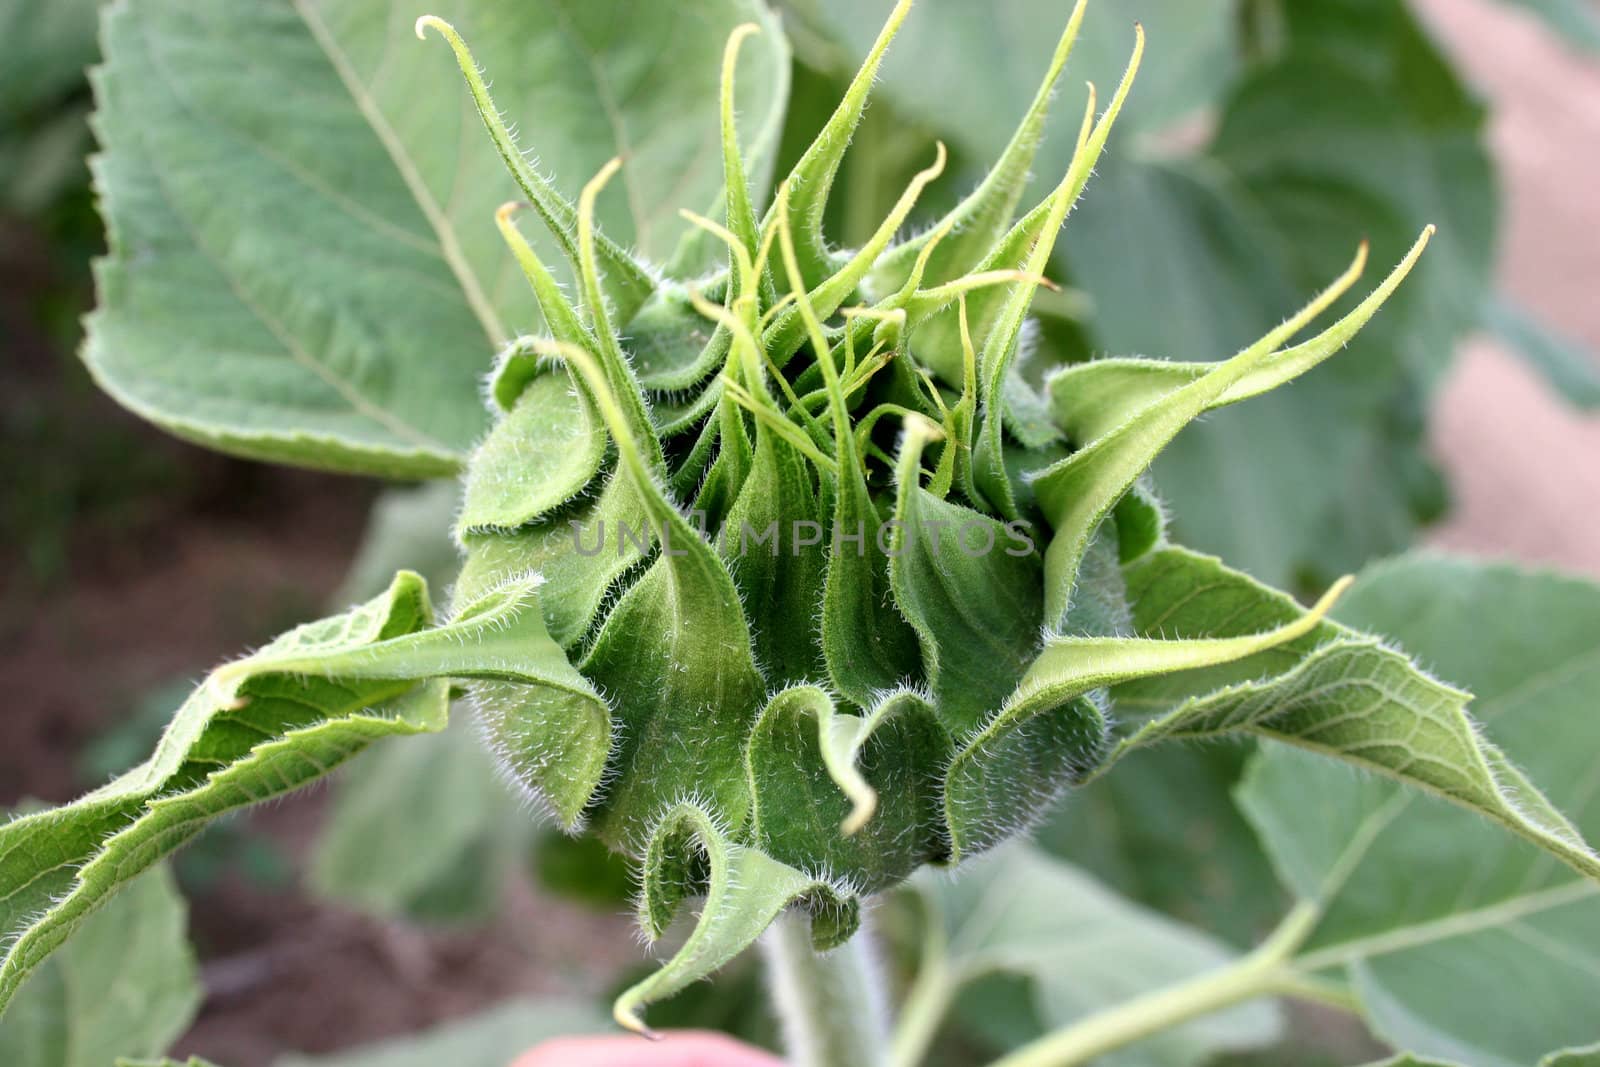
(1425, 908)
(125, 985)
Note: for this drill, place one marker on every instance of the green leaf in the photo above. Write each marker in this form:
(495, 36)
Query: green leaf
(1078, 492)
(257, 728)
(1460, 940)
(1164, 831)
(971, 71)
(1091, 400)
(126, 984)
(1354, 699)
(674, 657)
(1050, 732)
(1561, 361)
(492, 1038)
(1580, 1057)
(304, 265)
(691, 855)
(785, 577)
(868, 650)
(424, 830)
(579, 554)
(1081, 949)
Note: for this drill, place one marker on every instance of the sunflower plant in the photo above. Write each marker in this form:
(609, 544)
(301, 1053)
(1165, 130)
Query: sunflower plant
(787, 575)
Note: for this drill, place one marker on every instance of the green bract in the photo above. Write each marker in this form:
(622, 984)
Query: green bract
(782, 577)
(839, 588)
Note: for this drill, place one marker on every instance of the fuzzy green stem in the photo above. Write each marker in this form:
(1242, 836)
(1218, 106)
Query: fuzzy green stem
(830, 1005)
(926, 1004)
(1264, 972)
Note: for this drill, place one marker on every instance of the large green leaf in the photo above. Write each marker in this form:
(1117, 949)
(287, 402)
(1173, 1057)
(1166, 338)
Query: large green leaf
(1080, 948)
(125, 985)
(1460, 940)
(1351, 698)
(300, 195)
(1578, 1057)
(257, 728)
(972, 69)
(1163, 830)
(491, 1039)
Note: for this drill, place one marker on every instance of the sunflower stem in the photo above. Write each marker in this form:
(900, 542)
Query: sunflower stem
(831, 1004)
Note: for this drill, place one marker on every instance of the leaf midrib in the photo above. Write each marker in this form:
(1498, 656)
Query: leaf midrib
(1501, 913)
(443, 228)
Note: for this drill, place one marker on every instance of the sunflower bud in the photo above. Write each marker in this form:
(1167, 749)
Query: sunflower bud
(836, 586)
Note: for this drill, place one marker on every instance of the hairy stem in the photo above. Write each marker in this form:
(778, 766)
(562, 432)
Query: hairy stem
(831, 1005)
(1264, 972)
(927, 1002)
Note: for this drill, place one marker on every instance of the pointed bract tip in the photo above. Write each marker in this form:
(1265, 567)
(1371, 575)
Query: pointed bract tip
(506, 211)
(628, 1019)
(740, 33)
(604, 174)
(434, 21)
(1331, 597)
(1428, 231)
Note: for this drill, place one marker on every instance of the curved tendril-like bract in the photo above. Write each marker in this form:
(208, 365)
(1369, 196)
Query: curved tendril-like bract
(786, 333)
(1000, 348)
(812, 177)
(628, 283)
(813, 683)
(1094, 398)
(1077, 493)
(741, 213)
(986, 212)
